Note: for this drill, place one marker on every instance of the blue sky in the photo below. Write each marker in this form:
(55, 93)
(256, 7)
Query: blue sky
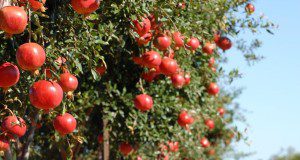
(272, 86)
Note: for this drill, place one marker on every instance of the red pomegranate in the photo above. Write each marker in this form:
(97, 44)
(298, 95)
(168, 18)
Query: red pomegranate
(217, 37)
(149, 76)
(13, 19)
(35, 4)
(213, 89)
(68, 82)
(221, 111)
(193, 44)
(170, 53)
(151, 59)
(125, 148)
(210, 124)
(9, 75)
(224, 43)
(168, 66)
(45, 94)
(101, 70)
(64, 124)
(187, 78)
(100, 138)
(30, 56)
(85, 7)
(213, 69)
(208, 48)
(211, 62)
(141, 28)
(178, 40)
(143, 102)
(250, 8)
(185, 119)
(178, 80)
(13, 125)
(173, 146)
(204, 142)
(145, 39)
(162, 42)
(4, 143)
(211, 152)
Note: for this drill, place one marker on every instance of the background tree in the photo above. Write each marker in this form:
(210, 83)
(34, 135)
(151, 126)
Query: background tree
(115, 50)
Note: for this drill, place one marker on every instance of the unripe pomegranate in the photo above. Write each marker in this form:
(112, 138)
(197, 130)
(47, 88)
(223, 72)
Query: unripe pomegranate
(193, 44)
(9, 75)
(221, 111)
(250, 8)
(64, 124)
(100, 138)
(4, 144)
(173, 146)
(178, 80)
(142, 28)
(35, 4)
(185, 119)
(187, 78)
(211, 62)
(101, 70)
(208, 48)
(30, 56)
(145, 39)
(143, 102)
(45, 94)
(68, 82)
(13, 19)
(168, 66)
(224, 43)
(85, 7)
(125, 148)
(204, 142)
(178, 40)
(151, 59)
(162, 42)
(213, 89)
(210, 124)
(14, 126)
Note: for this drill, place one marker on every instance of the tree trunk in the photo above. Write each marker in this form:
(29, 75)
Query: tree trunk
(105, 140)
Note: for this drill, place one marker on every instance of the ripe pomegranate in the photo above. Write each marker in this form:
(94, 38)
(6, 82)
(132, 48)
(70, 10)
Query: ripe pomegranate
(125, 148)
(185, 119)
(170, 53)
(173, 146)
(224, 43)
(45, 94)
(213, 69)
(68, 82)
(162, 42)
(100, 138)
(64, 124)
(154, 25)
(142, 28)
(30, 56)
(35, 4)
(213, 89)
(4, 144)
(13, 125)
(101, 70)
(193, 44)
(85, 7)
(208, 48)
(143, 102)
(151, 59)
(187, 78)
(145, 39)
(211, 62)
(168, 66)
(210, 124)
(178, 80)
(217, 37)
(178, 40)
(250, 8)
(221, 111)
(13, 19)
(204, 142)
(211, 152)
(9, 75)
(150, 76)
